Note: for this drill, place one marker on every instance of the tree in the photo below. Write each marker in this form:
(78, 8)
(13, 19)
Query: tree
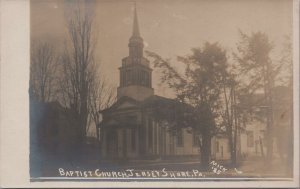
(286, 62)
(77, 70)
(257, 67)
(230, 115)
(43, 72)
(285, 147)
(101, 96)
(200, 87)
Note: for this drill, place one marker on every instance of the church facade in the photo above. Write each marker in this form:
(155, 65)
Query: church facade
(128, 129)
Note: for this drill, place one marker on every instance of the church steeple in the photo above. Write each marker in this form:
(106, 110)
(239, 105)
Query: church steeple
(136, 43)
(136, 29)
(135, 72)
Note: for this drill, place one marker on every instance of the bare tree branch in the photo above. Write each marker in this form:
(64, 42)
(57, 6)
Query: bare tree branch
(43, 72)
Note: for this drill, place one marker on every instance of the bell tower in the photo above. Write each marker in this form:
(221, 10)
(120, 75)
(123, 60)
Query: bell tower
(135, 72)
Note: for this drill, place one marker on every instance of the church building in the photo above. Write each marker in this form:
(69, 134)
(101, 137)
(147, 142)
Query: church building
(128, 129)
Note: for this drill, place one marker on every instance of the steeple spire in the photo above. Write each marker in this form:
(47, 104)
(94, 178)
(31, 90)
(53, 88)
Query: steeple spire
(136, 30)
(136, 41)
(135, 72)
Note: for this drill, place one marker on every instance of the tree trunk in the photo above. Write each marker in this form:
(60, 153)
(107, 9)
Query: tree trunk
(205, 149)
(235, 137)
(269, 101)
(269, 131)
(234, 155)
(231, 145)
(232, 149)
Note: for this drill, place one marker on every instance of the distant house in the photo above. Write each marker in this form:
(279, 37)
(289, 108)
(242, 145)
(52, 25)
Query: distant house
(253, 137)
(52, 130)
(220, 147)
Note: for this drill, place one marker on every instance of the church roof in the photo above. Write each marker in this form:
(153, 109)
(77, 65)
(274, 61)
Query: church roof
(125, 103)
(161, 108)
(120, 102)
(154, 101)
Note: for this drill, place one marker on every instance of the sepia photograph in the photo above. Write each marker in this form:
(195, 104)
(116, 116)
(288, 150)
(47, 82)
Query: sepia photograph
(162, 90)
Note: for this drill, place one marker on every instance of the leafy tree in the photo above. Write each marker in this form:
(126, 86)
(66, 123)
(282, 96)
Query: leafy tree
(259, 72)
(231, 114)
(200, 89)
(285, 104)
(286, 62)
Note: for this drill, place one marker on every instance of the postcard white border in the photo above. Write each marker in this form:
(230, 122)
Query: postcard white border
(14, 111)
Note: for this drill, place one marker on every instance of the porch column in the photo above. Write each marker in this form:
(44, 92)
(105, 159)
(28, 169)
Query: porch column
(153, 137)
(137, 141)
(157, 139)
(103, 143)
(145, 134)
(124, 145)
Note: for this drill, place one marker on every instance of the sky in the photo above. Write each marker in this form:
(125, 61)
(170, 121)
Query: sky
(168, 27)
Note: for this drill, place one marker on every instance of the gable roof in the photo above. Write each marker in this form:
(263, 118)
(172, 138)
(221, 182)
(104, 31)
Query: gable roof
(119, 103)
(156, 101)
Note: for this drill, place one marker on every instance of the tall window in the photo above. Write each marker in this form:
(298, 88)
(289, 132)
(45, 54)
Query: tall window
(250, 139)
(217, 147)
(256, 146)
(179, 138)
(222, 152)
(150, 133)
(195, 140)
(133, 142)
(149, 81)
(146, 79)
(143, 78)
(128, 77)
(139, 77)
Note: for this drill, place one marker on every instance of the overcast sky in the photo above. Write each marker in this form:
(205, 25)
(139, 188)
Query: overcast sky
(168, 27)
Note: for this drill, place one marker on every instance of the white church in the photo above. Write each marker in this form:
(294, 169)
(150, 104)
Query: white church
(128, 129)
